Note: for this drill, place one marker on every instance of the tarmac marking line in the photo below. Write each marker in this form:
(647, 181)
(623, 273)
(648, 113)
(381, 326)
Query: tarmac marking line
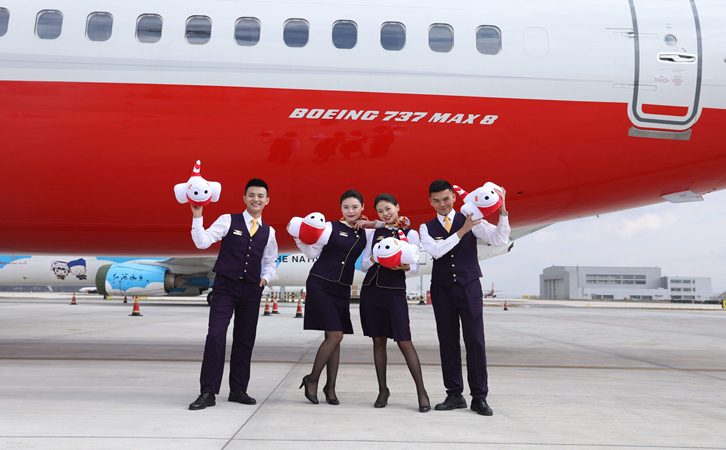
(508, 366)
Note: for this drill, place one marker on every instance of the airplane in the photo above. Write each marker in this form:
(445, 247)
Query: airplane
(152, 277)
(490, 294)
(576, 108)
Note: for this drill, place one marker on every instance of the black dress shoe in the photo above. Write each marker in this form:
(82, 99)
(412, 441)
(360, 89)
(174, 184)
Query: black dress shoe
(332, 401)
(240, 396)
(426, 408)
(204, 400)
(313, 399)
(480, 406)
(451, 402)
(384, 402)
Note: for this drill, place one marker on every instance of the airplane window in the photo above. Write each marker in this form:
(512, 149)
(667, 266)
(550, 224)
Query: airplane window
(199, 30)
(148, 28)
(247, 31)
(4, 18)
(488, 40)
(441, 37)
(99, 26)
(345, 34)
(393, 36)
(48, 24)
(296, 33)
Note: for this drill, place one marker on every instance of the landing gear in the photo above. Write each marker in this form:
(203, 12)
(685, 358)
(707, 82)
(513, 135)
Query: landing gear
(209, 297)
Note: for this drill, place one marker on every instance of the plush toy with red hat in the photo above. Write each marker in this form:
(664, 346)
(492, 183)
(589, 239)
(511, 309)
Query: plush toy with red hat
(310, 230)
(197, 190)
(481, 202)
(392, 252)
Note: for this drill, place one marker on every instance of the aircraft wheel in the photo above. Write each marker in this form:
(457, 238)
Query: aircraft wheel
(209, 298)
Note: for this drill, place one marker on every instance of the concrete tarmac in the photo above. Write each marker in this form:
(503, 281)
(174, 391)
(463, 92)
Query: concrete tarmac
(561, 375)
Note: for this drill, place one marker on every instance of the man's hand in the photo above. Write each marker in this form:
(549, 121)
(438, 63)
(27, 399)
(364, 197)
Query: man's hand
(197, 211)
(468, 225)
(263, 282)
(502, 194)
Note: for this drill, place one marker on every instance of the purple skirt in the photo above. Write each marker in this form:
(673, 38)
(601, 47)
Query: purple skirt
(384, 312)
(327, 306)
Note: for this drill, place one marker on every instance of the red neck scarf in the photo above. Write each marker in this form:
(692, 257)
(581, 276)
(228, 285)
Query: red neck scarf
(345, 221)
(402, 223)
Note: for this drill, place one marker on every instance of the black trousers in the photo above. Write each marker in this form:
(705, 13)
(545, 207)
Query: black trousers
(242, 299)
(453, 304)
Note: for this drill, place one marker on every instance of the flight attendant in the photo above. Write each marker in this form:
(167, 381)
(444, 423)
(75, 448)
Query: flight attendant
(327, 305)
(456, 293)
(245, 264)
(383, 305)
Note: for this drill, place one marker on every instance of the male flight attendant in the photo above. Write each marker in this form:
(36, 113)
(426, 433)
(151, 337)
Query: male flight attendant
(456, 293)
(245, 264)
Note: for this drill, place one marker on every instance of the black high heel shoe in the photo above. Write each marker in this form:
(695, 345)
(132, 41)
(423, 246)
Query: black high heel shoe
(384, 402)
(332, 401)
(304, 384)
(426, 408)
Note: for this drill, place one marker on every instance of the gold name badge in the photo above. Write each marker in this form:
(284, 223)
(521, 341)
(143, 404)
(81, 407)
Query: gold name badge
(237, 232)
(380, 238)
(343, 233)
(439, 238)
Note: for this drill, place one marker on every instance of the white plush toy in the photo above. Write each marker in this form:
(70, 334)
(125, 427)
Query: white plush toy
(310, 230)
(481, 202)
(197, 190)
(392, 252)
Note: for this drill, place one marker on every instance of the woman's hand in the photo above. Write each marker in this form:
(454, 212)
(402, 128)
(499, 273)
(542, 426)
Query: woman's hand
(364, 224)
(402, 267)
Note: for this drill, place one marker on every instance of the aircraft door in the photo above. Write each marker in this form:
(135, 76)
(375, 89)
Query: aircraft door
(668, 64)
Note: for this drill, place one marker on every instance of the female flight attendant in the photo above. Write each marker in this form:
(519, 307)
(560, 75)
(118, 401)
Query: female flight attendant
(327, 305)
(383, 306)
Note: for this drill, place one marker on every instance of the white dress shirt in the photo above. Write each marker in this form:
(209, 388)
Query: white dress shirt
(492, 235)
(313, 251)
(204, 238)
(366, 262)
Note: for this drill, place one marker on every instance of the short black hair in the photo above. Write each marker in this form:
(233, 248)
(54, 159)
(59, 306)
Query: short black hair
(351, 193)
(385, 198)
(256, 182)
(440, 185)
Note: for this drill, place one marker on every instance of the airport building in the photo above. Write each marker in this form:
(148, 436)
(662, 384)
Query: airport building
(634, 283)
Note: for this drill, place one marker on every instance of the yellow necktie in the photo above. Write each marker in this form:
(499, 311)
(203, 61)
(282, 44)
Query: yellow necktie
(254, 227)
(447, 224)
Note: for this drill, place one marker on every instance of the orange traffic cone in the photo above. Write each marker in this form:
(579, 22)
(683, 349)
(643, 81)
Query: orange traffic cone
(136, 311)
(267, 308)
(274, 306)
(298, 313)
(73, 300)
(505, 305)
(125, 299)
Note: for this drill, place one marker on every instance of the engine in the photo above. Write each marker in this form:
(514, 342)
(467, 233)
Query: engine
(134, 279)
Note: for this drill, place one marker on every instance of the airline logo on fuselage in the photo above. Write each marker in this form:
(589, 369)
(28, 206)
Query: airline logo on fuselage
(396, 116)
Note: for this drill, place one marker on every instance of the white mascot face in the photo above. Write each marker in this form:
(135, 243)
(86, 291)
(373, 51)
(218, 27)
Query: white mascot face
(485, 196)
(78, 270)
(60, 269)
(199, 190)
(388, 247)
(316, 220)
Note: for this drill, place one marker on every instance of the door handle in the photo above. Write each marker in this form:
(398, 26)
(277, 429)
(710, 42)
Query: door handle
(678, 58)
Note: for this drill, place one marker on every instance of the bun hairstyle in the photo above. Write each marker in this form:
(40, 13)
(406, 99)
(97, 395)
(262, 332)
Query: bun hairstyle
(385, 198)
(351, 193)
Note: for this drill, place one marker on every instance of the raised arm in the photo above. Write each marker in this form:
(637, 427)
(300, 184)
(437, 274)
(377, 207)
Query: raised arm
(204, 238)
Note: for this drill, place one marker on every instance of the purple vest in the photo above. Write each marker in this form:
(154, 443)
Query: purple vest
(461, 264)
(336, 262)
(383, 276)
(241, 254)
